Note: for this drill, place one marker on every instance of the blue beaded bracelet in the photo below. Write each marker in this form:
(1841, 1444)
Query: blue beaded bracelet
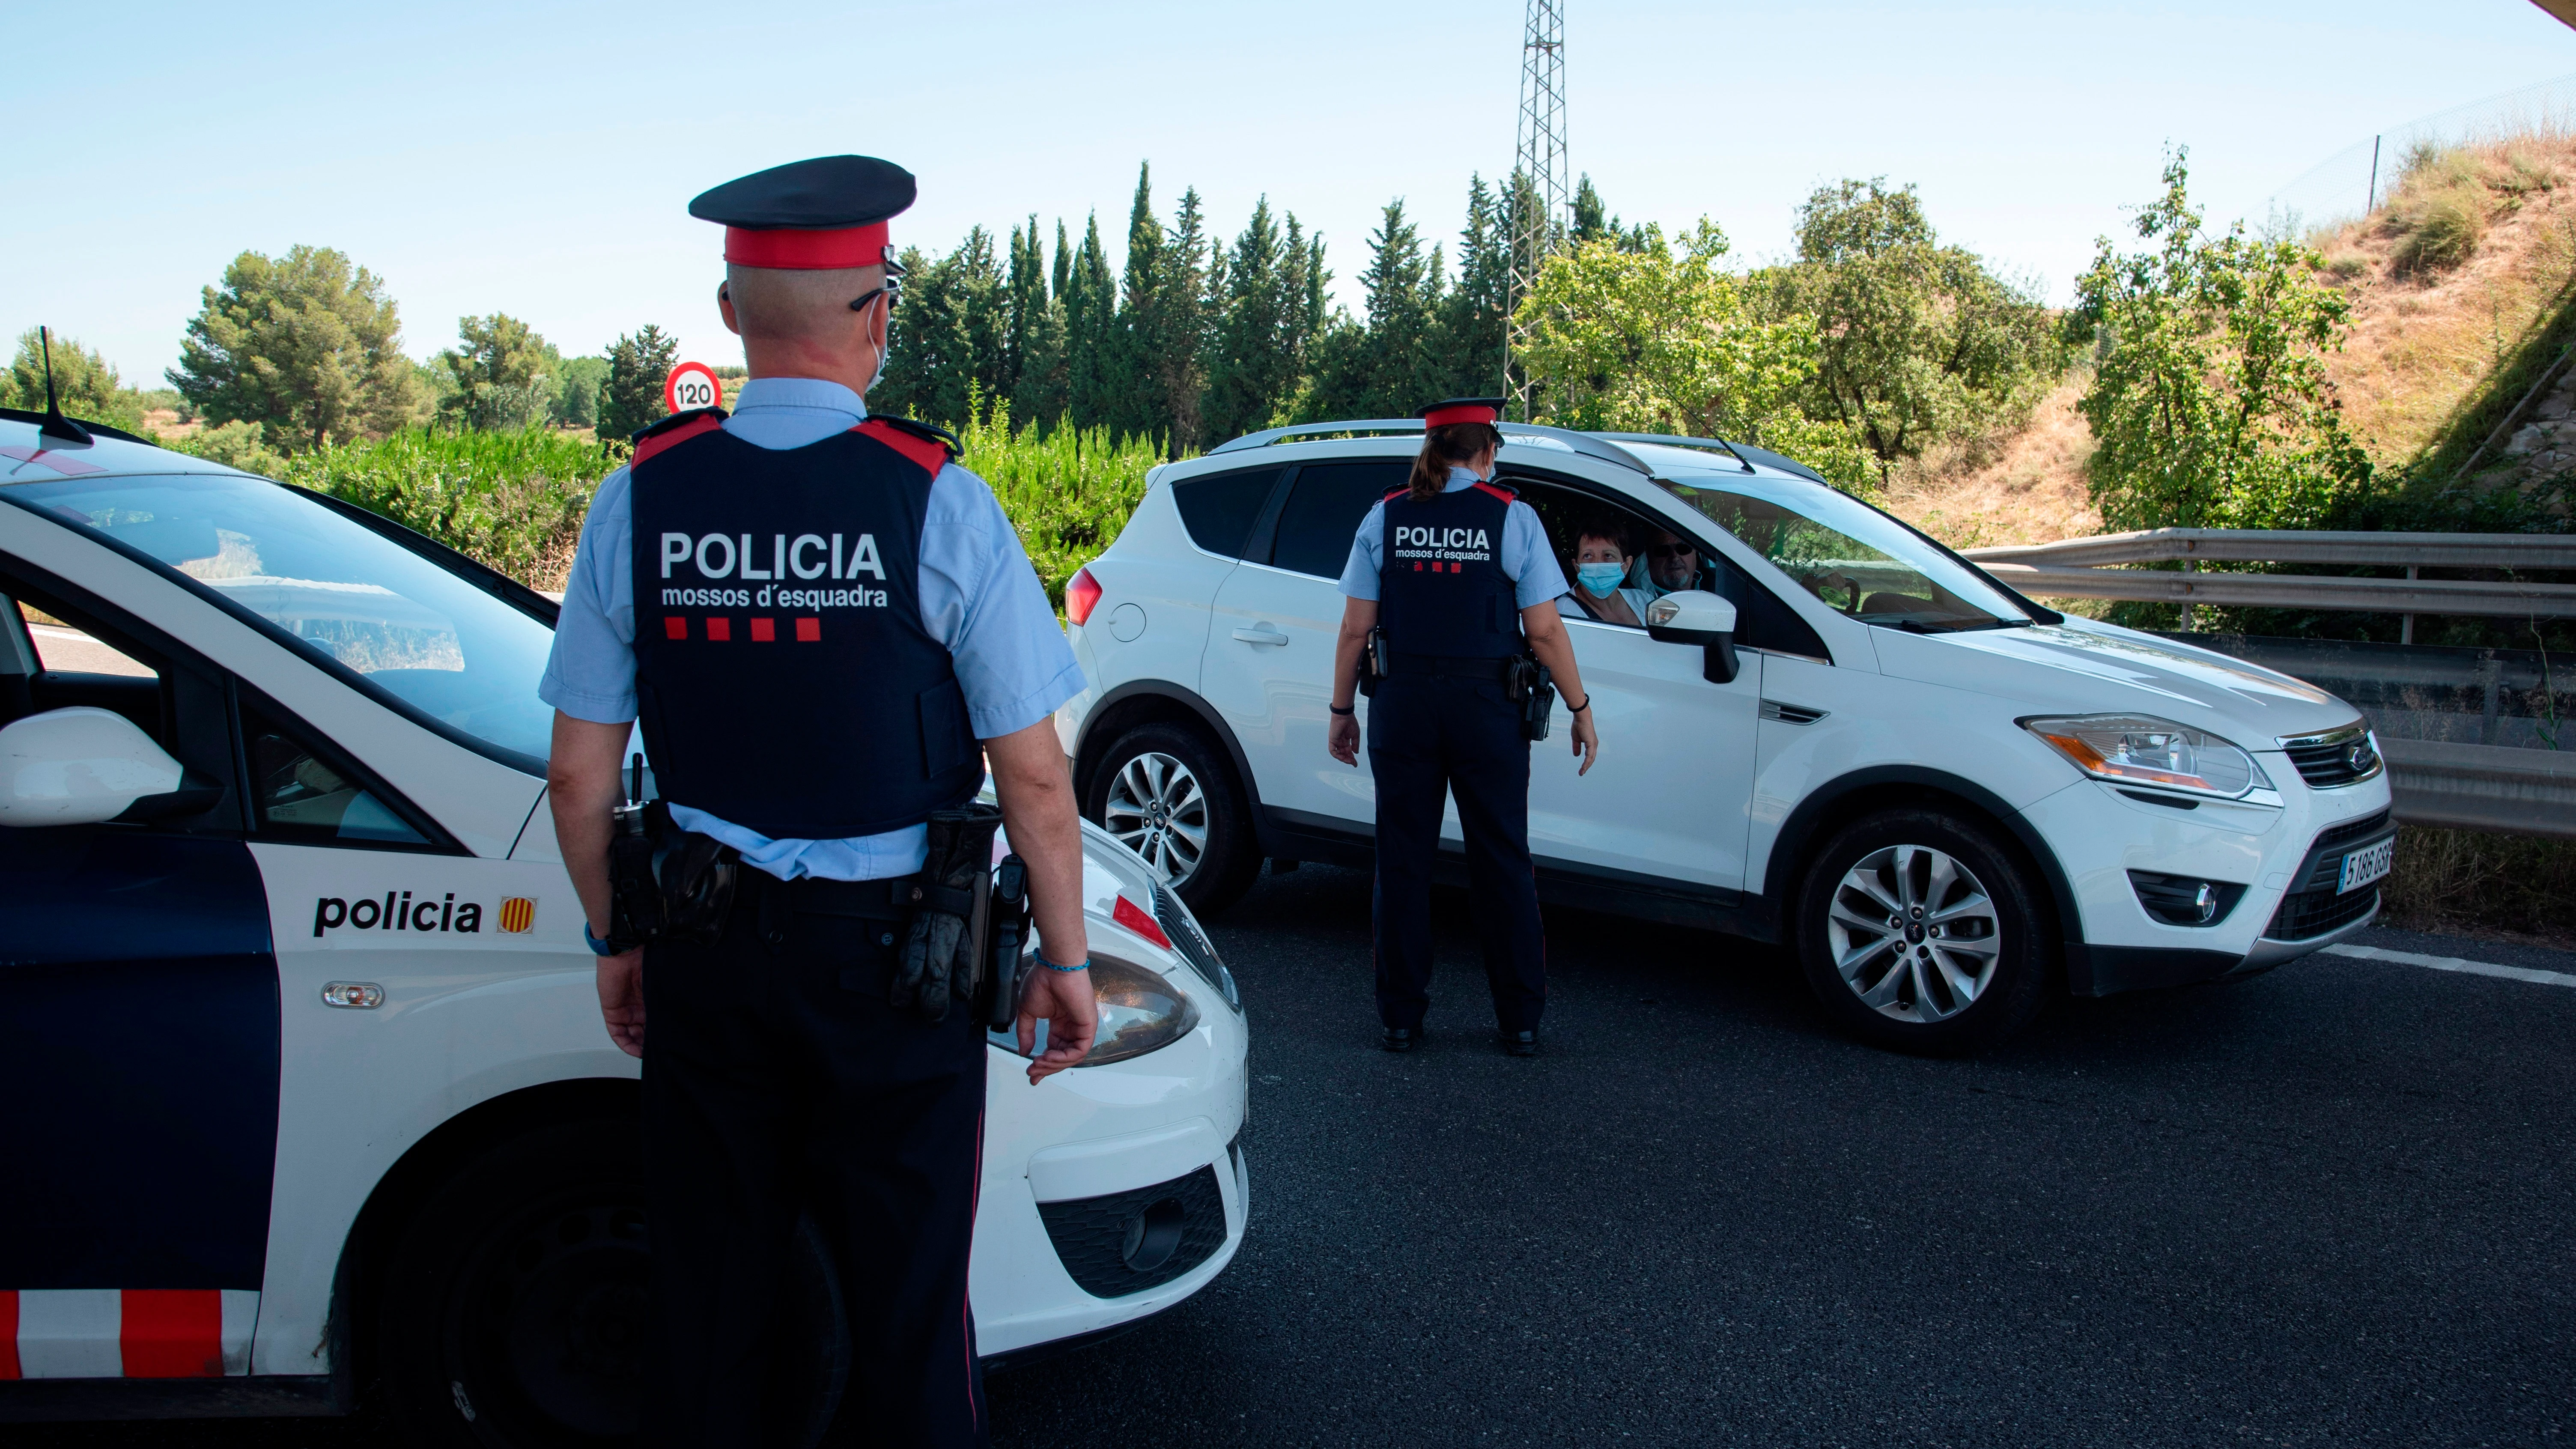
(1051, 966)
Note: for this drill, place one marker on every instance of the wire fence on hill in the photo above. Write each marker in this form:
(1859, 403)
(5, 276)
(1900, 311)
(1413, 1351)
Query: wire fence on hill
(2349, 184)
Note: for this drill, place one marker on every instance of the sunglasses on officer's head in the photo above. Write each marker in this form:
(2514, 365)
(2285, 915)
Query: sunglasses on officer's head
(892, 290)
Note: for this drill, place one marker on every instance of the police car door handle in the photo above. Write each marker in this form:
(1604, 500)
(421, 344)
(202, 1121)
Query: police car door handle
(1262, 635)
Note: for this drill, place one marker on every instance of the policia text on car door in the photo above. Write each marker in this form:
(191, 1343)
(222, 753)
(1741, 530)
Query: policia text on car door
(815, 615)
(1451, 592)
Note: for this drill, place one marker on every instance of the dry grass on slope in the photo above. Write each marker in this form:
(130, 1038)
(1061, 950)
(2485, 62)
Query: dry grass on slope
(2474, 245)
(2023, 487)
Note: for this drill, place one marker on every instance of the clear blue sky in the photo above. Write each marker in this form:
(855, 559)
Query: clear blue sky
(535, 158)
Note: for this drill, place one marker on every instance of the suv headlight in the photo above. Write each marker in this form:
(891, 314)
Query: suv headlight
(2133, 749)
(1140, 1012)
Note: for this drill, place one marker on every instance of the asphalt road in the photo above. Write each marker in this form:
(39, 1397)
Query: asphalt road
(2332, 1205)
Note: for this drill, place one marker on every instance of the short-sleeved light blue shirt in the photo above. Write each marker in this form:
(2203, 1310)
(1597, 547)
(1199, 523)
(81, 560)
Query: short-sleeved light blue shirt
(979, 597)
(1525, 558)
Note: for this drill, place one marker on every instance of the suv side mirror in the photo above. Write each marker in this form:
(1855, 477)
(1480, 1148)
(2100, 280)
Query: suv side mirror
(81, 765)
(1695, 616)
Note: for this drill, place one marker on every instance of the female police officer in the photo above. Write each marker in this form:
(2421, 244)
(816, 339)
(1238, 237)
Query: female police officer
(1457, 574)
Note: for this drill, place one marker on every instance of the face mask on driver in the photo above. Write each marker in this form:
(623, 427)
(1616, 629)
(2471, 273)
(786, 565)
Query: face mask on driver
(1598, 579)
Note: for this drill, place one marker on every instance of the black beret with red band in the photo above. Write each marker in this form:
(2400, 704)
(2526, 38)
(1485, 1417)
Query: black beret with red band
(1486, 410)
(826, 213)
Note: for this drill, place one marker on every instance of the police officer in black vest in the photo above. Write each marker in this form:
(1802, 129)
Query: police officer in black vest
(826, 629)
(1455, 575)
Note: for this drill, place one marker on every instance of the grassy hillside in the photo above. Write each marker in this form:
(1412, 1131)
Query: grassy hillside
(2460, 284)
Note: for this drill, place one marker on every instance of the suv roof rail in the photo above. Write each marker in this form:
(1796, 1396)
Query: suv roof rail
(1592, 445)
(1744, 453)
(27, 415)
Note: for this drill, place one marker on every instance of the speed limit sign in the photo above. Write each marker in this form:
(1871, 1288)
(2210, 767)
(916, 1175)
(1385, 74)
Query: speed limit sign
(691, 385)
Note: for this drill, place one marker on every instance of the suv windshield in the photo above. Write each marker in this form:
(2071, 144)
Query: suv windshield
(451, 651)
(1850, 555)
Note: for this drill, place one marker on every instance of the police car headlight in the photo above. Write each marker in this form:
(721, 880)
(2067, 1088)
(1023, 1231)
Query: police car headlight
(1140, 1011)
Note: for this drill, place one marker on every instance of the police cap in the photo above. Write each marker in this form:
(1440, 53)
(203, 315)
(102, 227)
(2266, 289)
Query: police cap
(1486, 410)
(827, 213)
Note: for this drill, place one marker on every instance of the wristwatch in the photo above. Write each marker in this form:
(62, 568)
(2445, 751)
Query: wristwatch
(599, 947)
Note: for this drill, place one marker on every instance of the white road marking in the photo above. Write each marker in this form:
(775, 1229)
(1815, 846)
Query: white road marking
(2455, 963)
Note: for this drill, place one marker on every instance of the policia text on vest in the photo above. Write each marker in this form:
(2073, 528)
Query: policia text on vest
(1451, 594)
(760, 594)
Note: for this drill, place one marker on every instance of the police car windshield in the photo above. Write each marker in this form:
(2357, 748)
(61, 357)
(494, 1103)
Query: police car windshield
(1849, 554)
(451, 651)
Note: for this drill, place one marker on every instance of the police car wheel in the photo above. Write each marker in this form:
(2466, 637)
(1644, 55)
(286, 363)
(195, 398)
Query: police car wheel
(1920, 931)
(1169, 794)
(516, 1304)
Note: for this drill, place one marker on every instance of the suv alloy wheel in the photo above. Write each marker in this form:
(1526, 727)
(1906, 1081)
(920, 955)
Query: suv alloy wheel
(1169, 795)
(1918, 931)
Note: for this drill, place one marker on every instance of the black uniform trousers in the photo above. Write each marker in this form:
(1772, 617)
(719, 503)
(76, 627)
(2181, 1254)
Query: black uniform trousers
(778, 1079)
(1431, 737)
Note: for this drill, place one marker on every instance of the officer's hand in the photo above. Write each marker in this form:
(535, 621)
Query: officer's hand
(1587, 742)
(1064, 1001)
(621, 1000)
(1342, 741)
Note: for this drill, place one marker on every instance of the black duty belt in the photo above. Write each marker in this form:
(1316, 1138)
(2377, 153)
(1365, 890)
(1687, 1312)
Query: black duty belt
(867, 900)
(1490, 670)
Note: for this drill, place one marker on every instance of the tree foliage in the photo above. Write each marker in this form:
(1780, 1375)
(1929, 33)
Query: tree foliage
(502, 378)
(85, 385)
(630, 395)
(2210, 401)
(305, 346)
(1663, 340)
(1918, 343)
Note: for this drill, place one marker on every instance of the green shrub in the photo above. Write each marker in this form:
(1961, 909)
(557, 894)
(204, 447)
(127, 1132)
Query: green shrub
(2440, 231)
(512, 500)
(2346, 266)
(2448, 879)
(235, 445)
(1068, 491)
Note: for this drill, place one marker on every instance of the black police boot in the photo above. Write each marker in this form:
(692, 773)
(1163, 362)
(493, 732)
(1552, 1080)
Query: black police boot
(1403, 1038)
(1520, 1043)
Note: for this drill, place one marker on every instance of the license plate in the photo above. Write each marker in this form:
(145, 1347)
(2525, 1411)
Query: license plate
(2365, 865)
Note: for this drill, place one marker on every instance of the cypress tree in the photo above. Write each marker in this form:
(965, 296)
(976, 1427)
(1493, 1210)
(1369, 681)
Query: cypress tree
(1475, 318)
(1252, 355)
(1091, 337)
(1178, 326)
(1136, 404)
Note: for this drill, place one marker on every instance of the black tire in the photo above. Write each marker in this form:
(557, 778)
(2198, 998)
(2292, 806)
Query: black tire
(1223, 867)
(1904, 988)
(515, 1304)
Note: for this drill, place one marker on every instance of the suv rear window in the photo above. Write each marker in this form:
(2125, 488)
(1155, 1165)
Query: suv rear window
(1221, 509)
(1324, 512)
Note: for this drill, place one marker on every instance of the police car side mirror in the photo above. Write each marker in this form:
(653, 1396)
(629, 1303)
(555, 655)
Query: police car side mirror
(79, 766)
(1695, 616)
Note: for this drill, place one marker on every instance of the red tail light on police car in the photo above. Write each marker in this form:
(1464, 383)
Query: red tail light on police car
(1081, 595)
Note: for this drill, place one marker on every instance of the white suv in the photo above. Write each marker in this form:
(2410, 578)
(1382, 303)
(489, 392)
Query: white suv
(1941, 794)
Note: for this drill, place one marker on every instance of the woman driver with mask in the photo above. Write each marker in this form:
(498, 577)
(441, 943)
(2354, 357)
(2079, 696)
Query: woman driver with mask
(1455, 572)
(1601, 562)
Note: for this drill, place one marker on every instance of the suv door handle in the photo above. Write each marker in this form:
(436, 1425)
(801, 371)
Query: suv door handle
(1263, 635)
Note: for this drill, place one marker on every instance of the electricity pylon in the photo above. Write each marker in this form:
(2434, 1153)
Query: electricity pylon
(1538, 187)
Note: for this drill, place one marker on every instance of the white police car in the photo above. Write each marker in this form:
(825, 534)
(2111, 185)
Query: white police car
(1846, 736)
(308, 1090)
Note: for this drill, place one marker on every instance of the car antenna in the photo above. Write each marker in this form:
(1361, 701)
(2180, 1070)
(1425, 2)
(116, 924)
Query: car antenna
(55, 424)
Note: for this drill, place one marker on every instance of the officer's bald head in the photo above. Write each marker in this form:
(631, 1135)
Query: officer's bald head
(806, 306)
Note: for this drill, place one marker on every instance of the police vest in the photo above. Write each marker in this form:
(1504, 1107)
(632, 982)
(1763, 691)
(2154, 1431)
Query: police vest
(1441, 585)
(784, 678)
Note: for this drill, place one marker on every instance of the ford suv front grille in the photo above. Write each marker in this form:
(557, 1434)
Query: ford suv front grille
(2337, 757)
(2313, 906)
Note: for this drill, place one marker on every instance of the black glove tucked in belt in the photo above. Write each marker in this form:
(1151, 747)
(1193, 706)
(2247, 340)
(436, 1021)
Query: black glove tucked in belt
(939, 956)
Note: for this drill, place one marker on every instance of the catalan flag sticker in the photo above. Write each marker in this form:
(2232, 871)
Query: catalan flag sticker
(518, 914)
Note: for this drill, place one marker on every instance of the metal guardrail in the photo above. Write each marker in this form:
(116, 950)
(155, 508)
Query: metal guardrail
(2297, 591)
(2267, 545)
(2075, 568)
(2482, 787)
